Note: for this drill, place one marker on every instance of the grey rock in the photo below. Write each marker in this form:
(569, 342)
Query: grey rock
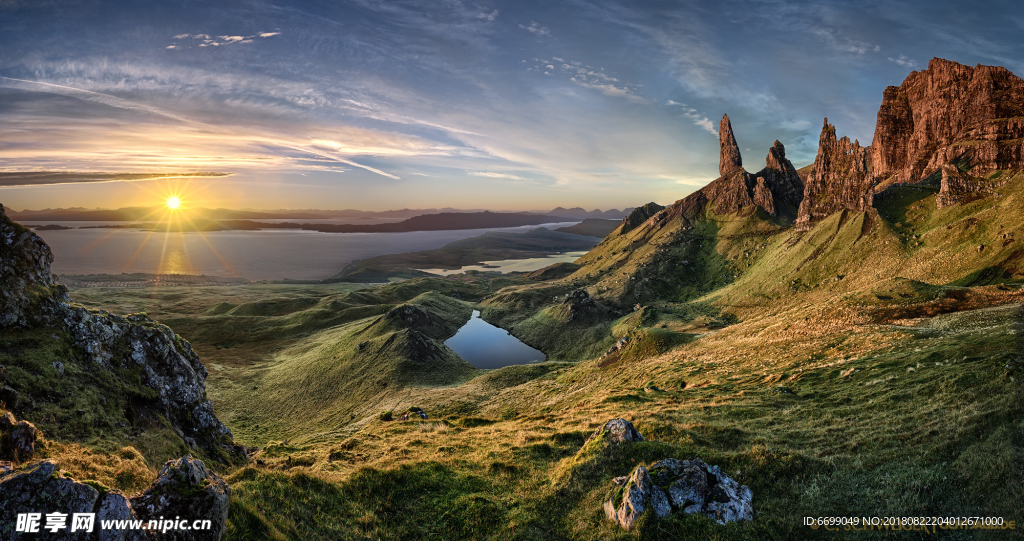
(115, 506)
(637, 495)
(186, 488)
(616, 431)
(681, 486)
(38, 488)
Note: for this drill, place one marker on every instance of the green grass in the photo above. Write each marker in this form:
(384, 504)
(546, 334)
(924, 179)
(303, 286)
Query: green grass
(870, 366)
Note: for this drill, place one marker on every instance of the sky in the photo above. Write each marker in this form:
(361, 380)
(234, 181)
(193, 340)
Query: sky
(516, 105)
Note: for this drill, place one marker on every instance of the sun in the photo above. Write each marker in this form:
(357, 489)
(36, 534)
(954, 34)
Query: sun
(173, 202)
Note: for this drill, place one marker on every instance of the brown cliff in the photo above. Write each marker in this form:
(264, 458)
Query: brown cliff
(729, 158)
(946, 112)
(840, 179)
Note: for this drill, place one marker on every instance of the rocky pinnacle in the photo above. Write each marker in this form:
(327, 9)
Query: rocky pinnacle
(730, 158)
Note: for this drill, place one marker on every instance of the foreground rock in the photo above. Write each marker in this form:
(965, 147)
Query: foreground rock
(616, 431)
(172, 378)
(679, 486)
(185, 489)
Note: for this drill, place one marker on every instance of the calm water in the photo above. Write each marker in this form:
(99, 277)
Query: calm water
(257, 255)
(510, 265)
(485, 346)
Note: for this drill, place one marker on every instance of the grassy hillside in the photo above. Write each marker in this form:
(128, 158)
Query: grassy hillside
(870, 366)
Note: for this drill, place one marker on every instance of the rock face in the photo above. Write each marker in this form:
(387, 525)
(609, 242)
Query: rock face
(729, 159)
(185, 488)
(679, 486)
(840, 179)
(946, 112)
(957, 187)
(28, 290)
(111, 343)
(775, 189)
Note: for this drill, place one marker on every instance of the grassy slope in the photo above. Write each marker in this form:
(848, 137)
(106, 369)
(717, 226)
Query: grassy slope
(845, 371)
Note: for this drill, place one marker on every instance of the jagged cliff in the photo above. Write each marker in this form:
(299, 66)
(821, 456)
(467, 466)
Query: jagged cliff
(840, 179)
(947, 111)
(153, 375)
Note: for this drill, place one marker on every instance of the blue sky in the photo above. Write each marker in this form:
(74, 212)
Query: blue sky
(502, 105)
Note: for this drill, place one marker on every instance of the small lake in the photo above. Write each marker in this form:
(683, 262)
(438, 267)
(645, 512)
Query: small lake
(513, 265)
(485, 346)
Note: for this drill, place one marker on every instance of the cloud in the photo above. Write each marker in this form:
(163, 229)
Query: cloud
(902, 60)
(216, 41)
(40, 178)
(535, 28)
(487, 17)
(588, 77)
(845, 44)
(698, 119)
(490, 174)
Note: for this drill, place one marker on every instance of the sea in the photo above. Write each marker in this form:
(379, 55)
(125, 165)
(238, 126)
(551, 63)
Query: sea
(268, 254)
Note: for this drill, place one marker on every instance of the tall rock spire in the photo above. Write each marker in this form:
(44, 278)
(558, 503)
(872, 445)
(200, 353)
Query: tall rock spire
(730, 157)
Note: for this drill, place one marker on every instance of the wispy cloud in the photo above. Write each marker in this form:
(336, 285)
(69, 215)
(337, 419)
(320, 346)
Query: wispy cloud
(696, 117)
(490, 174)
(902, 60)
(846, 44)
(206, 40)
(587, 76)
(536, 29)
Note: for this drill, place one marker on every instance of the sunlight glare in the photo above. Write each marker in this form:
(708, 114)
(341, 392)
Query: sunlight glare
(173, 202)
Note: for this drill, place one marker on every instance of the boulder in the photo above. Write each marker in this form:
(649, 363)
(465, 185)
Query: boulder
(186, 488)
(616, 431)
(39, 488)
(637, 494)
(679, 486)
(22, 441)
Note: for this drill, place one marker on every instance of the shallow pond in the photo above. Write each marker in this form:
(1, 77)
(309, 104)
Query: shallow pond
(485, 346)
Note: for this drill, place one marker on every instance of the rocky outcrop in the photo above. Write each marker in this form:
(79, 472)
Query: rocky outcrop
(28, 290)
(776, 189)
(946, 112)
(111, 344)
(679, 486)
(957, 187)
(778, 186)
(729, 158)
(578, 307)
(616, 431)
(637, 217)
(184, 489)
(840, 179)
